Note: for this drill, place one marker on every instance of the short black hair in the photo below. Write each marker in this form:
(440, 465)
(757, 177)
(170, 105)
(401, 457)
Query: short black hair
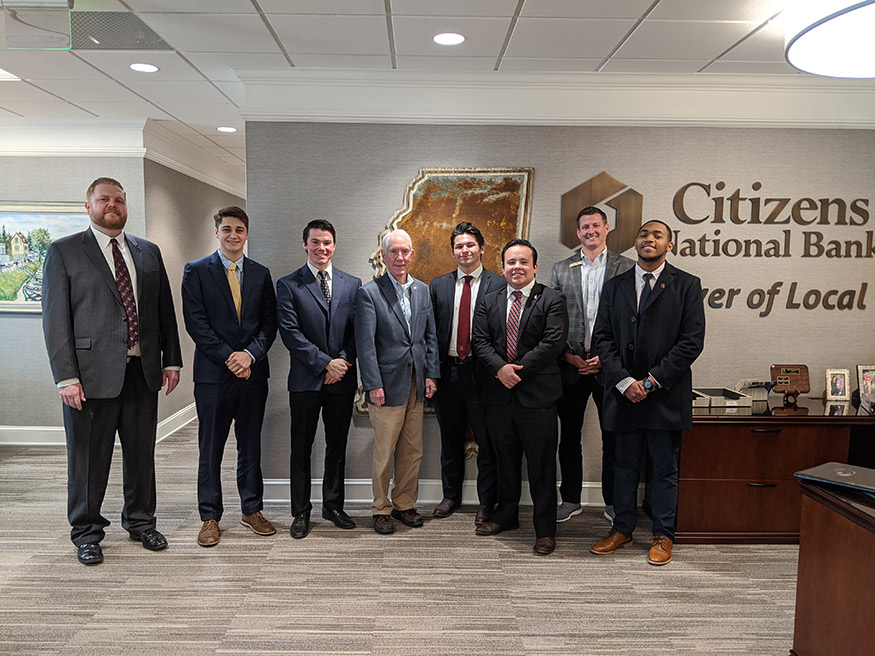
(520, 242)
(667, 226)
(319, 224)
(588, 211)
(465, 228)
(233, 210)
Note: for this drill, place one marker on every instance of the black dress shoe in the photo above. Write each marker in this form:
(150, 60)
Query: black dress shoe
(491, 528)
(339, 518)
(544, 546)
(409, 517)
(446, 508)
(90, 553)
(484, 513)
(151, 539)
(300, 526)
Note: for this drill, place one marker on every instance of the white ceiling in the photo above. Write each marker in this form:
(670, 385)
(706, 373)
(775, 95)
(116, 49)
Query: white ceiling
(197, 88)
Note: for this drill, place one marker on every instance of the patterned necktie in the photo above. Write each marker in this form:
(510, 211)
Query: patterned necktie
(645, 291)
(234, 284)
(323, 284)
(126, 289)
(513, 325)
(463, 333)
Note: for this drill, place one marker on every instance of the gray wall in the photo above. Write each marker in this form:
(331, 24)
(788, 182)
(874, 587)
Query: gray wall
(355, 175)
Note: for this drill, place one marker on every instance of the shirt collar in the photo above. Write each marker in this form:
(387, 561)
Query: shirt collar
(103, 239)
(599, 259)
(315, 271)
(527, 290)
(639, 272)
(398, 286)
(475, 274)
(226, 262)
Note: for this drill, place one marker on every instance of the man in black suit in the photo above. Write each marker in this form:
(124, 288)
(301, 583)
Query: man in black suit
(581, 278)
(229, 308)
(650, 330)
(518, 335)
(112, 341)
(455, 296)
(316, 306)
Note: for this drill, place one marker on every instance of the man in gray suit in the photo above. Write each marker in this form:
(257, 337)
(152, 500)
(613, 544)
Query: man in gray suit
(112, 341)
(398, 361)
(580, 277)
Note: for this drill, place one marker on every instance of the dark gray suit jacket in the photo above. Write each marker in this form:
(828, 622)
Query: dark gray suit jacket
(84, 319)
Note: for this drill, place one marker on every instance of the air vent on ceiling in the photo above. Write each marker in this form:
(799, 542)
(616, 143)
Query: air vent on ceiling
(113, 30)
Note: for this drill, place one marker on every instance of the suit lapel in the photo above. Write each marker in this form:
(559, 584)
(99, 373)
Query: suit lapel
(387, 289)
(502, 317)
(627, 289)
(92, 250)
(574, 281)
(249, 284)
(665, 279)
(337, 284)
(533, 299)
(137, 258)
(313, 287)
(217, 270)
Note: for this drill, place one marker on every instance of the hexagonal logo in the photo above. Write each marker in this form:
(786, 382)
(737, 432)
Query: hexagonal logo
(624, 203)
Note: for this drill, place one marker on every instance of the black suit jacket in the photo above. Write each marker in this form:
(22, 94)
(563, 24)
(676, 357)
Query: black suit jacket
(543, 332)
(84, 319)
(211, 320)
(443, 295)
(662, 340)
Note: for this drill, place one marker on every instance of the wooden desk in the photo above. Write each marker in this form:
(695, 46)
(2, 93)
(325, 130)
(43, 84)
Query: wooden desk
(736, 471)
(835, 589)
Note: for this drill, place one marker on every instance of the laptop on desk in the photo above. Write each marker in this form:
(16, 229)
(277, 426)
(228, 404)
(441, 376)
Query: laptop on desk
(847, 476)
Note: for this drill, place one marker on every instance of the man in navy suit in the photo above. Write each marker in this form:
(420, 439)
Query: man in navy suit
(518, 335)
(455, 297)
(649, 331)
(397, 352)
(112, 341)
(230, 313)
(315, 306)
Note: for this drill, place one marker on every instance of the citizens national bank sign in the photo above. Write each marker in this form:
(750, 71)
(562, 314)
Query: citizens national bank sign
(747, 222)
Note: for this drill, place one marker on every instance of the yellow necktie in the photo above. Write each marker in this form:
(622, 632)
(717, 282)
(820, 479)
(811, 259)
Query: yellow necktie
(234, 284)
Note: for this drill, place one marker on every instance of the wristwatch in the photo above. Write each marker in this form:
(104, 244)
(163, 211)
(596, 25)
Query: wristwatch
(648, 385)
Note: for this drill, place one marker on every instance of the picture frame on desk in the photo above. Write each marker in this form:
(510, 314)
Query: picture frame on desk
(838, 385)
(837, 409)
(866, 384)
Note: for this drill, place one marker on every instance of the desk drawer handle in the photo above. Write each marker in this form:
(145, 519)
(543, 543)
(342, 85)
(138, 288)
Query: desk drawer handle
(762, 484)
(774, 431)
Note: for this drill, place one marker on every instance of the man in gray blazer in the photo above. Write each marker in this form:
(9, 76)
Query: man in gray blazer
(397, 353)
(112, 341)
(581, 277)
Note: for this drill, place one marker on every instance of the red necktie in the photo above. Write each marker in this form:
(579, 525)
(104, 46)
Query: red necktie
(463, 334)
(513, 325)
(126, 289)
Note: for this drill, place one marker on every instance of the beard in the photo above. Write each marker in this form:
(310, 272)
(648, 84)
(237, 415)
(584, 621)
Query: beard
(116, 220)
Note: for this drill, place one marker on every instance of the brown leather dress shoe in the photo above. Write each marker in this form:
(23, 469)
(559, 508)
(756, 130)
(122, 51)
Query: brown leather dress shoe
(611, 543)
(409, 517)
(446, 508)
(209, 534)
(383, 524)
(660, 550)
(544, 546)
(483, 515)
(258, 524)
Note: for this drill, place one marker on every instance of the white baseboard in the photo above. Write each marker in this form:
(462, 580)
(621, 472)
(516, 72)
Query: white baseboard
(54, 435)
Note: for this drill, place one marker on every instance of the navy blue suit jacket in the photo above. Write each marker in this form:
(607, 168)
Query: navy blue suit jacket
(314, 334)
(211, 320)
(662, 340)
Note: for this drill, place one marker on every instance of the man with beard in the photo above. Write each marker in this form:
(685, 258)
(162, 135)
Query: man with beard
(112, 341)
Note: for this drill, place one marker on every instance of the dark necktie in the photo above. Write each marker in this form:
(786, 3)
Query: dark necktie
(645, 291)
(513, 325)
(126, 290)
(463, 333)
(323, 284)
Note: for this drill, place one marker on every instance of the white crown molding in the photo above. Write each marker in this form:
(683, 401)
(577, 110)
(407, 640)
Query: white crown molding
(558, 99)
(71, 138)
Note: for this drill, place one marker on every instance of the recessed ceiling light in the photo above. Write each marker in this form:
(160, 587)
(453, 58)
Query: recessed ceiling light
(226, 129)
(448, 39)
(144, 68)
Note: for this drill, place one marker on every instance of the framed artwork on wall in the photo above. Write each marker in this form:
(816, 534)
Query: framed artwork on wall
(838, 385)
(866, 383)
(26, 230)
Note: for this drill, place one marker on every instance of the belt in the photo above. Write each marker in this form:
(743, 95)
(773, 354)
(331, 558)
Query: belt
(130, 358)
(458, 362)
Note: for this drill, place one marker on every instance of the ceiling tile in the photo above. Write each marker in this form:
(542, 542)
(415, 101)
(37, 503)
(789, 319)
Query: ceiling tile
(56, 109)
(104, 91)
(212, 32)
(198, 140)
(99, 5)
(752, 68)
(682, 39)
(124, 110)
(220, 66)
(373, 7)
(239, 152)
(765, 45)
(303, 60)
(201, 113)
(234, 90)
(117, 65)
(483, 36)
(215, 151)
(8, 113)
(177, 127)
(191, 6)
(235, 140)
(654, 65)
(546, 64)
(178, 92)
(558, 38)
(25, 92)
(725, 10)
(47, 65)
(588, 9)
(210, 132)
(335, 35)
(502, 8)
(418, 63)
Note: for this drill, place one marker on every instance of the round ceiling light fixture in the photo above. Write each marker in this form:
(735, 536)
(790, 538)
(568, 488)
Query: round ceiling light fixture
(831, 37)
(226, 128)
(144, 68)
(448, 39)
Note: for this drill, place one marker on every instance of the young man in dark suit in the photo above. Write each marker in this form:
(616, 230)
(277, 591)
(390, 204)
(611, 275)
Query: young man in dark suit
(650, 330)
(455, 297)
(518, 335)
(316, 306)
(230, 313)
(112, 341)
